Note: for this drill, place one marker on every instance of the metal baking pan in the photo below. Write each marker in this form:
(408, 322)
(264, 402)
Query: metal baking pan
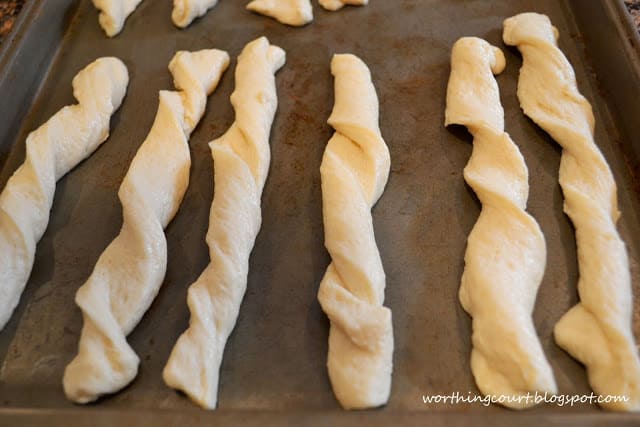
(274, 364)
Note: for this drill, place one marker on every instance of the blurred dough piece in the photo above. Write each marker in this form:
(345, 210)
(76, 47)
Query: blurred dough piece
(334, 5)
(113, 13)
(186, 11)
(291, 12)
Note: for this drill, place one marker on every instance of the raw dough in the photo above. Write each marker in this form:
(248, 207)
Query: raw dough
(113, 13)
(186, 11)
(597, 331)
(56, 147)
(506, 252)
(291, 12)
(339, 4)
(129, 272)
(354, 172)
(241, 158)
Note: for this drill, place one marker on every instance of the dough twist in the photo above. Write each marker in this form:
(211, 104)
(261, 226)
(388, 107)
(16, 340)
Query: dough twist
(113, 13)
(597, 331)
(186, 11)
(506, 251)
(56, 147)
(334, 5)
(241, 158)
(354, 172)
(290, 12)
(129, 272)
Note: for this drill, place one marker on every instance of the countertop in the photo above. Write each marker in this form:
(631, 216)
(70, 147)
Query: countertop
(634, 7)
(9, 10)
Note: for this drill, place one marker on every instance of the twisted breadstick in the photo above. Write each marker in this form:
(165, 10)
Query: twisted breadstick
(291, 12)
(186, 11)
(354, 172)
(241, 159)
(334, 5)
(129, 273)
(113, 13)
(506, 252)
(597, 331)
(56, 147)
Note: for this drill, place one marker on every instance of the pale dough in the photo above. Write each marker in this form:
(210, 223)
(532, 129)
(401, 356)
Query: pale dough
(291, 12)
(113, 13)
(339, 4)
(597, 331)
(129, 272)
(354, 172)
(241, 158)
(56, 147)
(186, 11)
(506, 252)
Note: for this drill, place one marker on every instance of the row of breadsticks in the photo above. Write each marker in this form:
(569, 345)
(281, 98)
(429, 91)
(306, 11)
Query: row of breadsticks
(130, 271)
(506, 252)
(113, 13)
(505, 258)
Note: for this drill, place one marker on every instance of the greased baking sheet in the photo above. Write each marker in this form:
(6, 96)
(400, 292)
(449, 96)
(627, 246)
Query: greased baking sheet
(273, 369)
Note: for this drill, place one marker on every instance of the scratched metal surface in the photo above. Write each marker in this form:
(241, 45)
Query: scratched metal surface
(275, 358)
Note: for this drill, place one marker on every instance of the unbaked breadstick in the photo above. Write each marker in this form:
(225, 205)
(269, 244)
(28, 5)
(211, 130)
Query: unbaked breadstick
(354, 172)
(129, 272)
(506, 252)
(113, 13)
(186, 11)
(241, 158)
(597, 331)
(68, 137)
(339, 4)
(291, 12)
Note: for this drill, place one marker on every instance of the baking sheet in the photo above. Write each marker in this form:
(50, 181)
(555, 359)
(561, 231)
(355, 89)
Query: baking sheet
(274, 363)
